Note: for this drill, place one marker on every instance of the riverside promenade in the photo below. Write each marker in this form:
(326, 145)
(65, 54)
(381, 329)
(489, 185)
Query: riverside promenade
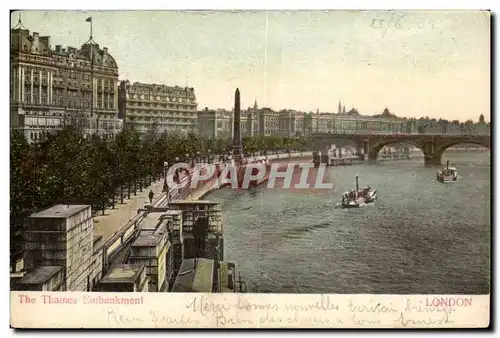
(115, 219)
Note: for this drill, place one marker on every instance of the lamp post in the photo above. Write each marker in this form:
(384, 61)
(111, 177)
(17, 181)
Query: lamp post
(165, 184)
(209, 160)
(198, 159)
(188, 188)
(165, 166)
(217, 259)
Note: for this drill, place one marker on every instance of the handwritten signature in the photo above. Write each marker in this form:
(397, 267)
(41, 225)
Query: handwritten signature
(405, 320)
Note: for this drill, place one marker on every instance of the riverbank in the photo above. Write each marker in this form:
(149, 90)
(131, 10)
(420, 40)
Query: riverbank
(282, 159)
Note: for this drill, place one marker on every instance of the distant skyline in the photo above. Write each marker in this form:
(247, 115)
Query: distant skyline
(434, 64)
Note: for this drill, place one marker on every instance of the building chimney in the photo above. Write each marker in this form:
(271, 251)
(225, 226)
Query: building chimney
(105, 50)
(58, 48)
(45, 40)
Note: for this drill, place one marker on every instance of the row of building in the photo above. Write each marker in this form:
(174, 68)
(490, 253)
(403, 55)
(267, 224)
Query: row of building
(291, 123)
(51, 88)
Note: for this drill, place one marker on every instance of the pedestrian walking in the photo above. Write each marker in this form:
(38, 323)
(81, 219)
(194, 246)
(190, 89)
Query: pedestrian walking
(151, 195)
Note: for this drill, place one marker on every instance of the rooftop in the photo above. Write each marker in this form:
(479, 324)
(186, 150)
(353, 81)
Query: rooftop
(40, 275)
(157, 87)
(147, 239)
(173, 212)
(60, 211)
(123, 273)
(195, 279)
(151, 220)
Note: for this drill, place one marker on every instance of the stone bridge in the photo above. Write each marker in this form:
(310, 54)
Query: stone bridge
(433, 146)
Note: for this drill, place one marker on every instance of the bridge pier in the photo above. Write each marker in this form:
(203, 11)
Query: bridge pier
(366, 146)
(432, 159)
(325, 155)
(317, 158)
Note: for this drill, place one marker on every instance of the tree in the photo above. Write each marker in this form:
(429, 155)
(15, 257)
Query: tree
(22, 190)
(68, 168)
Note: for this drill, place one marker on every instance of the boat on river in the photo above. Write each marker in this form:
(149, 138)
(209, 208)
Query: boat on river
(357, 198)
(448, 174)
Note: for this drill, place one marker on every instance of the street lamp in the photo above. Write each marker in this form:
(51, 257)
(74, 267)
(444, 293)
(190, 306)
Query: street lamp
(165, 166)
(198, 157)
(165, 169)
(209, 157)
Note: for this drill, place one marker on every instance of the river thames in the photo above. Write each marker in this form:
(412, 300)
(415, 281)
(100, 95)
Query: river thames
(420, 236)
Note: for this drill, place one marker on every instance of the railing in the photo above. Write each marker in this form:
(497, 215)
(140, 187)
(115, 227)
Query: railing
(112, 246)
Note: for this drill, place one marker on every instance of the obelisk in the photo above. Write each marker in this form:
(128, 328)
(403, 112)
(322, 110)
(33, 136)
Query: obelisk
(237, 148)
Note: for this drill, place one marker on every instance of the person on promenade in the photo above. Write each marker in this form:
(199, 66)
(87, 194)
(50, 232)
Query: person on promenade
(151, 195)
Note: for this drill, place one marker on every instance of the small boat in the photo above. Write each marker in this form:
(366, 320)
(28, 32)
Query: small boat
(358, 197)
(448, 174)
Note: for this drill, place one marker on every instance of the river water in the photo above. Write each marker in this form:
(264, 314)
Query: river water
(420, 236)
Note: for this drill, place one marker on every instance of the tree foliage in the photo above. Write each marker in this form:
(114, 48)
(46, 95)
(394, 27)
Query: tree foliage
(69, 168)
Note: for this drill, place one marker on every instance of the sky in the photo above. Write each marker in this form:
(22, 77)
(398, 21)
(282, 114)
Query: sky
(415, 63)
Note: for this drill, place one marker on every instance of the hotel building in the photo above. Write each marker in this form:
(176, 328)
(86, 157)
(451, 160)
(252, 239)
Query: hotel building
(53, 88)
(159, 108)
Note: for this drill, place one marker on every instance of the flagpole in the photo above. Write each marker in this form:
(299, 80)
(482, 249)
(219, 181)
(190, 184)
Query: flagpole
(92, 80)
(91, 69)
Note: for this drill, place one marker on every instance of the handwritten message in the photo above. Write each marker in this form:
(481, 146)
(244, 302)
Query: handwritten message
(396, 21)
(153, 310)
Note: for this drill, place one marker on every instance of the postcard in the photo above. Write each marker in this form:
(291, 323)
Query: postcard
(261, 169)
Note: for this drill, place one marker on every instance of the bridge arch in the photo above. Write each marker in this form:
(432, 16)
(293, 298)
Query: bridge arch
(344, 142)
(438, 153)
(375, 149)
(326, 142)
